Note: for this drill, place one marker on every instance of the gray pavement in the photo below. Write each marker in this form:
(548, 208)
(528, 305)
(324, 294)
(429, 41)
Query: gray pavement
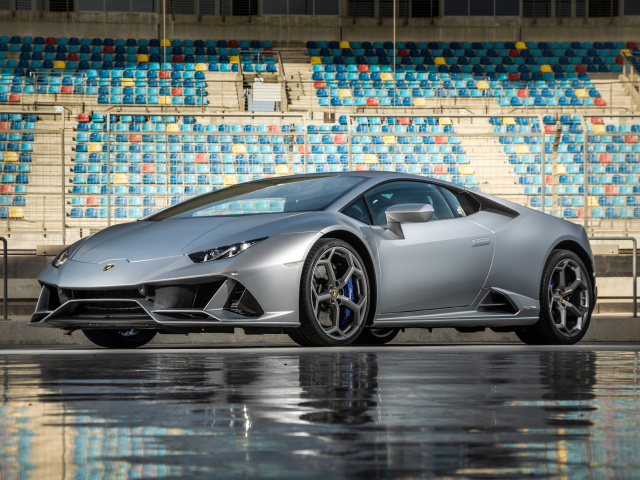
(496, 410)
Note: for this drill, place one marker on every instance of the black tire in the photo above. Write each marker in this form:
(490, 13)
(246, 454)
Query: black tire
(566, 302)
(339, 318)
(376, 336)
(120, 338)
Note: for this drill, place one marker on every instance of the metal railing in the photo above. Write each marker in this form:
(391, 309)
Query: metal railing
(5, 269)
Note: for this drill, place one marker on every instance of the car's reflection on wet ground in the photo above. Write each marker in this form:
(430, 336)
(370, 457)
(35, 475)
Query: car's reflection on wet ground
(493, 411)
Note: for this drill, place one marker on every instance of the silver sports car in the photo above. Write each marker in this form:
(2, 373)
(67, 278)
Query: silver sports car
(329, 259)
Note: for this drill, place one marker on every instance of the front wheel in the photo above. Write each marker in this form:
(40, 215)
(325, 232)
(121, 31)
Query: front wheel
(131, 338)
(566, 302)
(334, 295)
(376, 336)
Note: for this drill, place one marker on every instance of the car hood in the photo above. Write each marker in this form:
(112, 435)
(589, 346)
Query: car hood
(148, 240)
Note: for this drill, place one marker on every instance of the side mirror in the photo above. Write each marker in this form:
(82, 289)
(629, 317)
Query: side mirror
(407, 213)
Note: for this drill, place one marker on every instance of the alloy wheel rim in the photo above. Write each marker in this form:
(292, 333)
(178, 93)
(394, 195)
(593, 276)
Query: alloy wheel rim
(569, 298)
(129, 333)
(339, 297)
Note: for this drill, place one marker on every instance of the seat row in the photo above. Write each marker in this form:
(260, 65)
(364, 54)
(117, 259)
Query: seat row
(470, 45)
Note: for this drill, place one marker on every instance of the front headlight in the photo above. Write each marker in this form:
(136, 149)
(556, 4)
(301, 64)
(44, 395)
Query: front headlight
(62, 257)
(227, 251)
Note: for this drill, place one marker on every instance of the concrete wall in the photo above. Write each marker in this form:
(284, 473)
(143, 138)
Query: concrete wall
(294, 31)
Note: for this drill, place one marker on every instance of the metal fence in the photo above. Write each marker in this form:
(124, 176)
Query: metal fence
(585, 170)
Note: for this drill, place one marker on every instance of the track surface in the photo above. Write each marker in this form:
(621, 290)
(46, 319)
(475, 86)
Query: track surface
(427, 411)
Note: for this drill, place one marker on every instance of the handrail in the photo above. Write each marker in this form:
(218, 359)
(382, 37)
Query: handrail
(633, 266)
(5, 268)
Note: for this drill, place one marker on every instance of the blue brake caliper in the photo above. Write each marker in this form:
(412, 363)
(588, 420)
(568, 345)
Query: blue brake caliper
(348, 292)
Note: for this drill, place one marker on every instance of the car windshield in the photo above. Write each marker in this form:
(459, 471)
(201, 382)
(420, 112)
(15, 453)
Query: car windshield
(275, 195)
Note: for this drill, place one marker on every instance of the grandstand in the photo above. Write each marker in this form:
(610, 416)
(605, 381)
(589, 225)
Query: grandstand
(97, 129)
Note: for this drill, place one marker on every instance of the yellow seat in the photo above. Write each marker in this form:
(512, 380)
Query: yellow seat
(345, 92)
(581, 93)
(386, 76)
(128, 83)
(546, 69)
(239, 149)
(234, 59)
(508, 121)
(370, 158)
(440, 61)
(120, 179)
(445, 121)
(482, 85)
(389, 140)
(59, 64)
(520, 149)
(11, 157)
(165, 43)
(173, 127)
(467, 170)
(592, 202)
(562, 170)
(16, 212)
(521, 45)
(164, 100)
(315, 61)
(625, 52)
(95, 147)
(201, 67)
(420, 102)
(344, 44)
(230, 180)
(282, 170)
(599, 129)
(143, 57)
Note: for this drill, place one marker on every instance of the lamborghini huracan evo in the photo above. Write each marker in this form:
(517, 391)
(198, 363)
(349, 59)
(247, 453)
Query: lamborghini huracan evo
(329, 259)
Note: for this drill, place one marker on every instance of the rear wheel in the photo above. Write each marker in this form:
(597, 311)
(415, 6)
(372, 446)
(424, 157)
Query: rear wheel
(376, 336)
(131, 338)
(334, 296)
(565, 302)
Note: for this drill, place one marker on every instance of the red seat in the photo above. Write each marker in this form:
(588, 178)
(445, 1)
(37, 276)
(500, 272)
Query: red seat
(404, 121)
(177, 59)
(548, 179)
(514, 53)
(441, 140)
(631, 45)
(549, 129)
(631, 139)
(581, 68)
(514, 77)
(363, 68)
(318, 85)
(619, 61)
(599, 102)
(440, 169)
(232, 44)
(403, 53)
(605, 158)
(340, 139)
(66, 89)
(149, 168)
(301, 148)
(176, 91)
(274, 128)
(92, 201)
(135, 138)
(72, 56)
(4, 125)
(14, 97)
(6, 188)
(107, 49)
(372, 102)
(164, 74)
(522, 93)
(201, 158)
(611, 189)
(596, 121)
(50, 41)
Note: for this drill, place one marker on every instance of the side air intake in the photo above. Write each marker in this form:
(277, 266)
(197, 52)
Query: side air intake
(497, 302)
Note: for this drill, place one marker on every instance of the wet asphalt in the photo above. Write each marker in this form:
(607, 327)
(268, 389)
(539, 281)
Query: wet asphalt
(400, 411)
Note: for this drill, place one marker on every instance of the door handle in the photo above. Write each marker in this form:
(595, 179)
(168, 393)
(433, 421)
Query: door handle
(479, 242)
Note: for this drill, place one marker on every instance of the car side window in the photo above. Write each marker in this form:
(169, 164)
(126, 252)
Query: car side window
(461, 203)
(358, 210)
(394, 193)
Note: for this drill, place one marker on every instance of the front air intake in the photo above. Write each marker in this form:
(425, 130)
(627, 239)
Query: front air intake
(242, 302)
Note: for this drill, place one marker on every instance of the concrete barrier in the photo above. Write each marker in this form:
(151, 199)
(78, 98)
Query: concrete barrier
(603, 328)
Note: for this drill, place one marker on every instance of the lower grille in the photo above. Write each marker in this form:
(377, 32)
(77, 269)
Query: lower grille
(109, 308)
